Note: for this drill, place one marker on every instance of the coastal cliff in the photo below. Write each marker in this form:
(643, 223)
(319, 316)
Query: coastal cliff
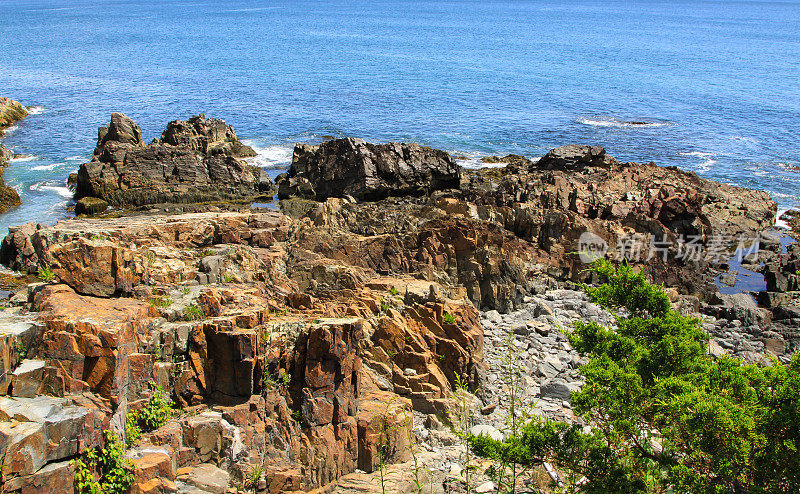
(309, 347)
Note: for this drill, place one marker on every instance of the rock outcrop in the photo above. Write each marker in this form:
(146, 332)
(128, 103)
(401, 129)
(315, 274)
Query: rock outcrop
(10, 112)
(197, 160)
(315, 344)
(366, 171)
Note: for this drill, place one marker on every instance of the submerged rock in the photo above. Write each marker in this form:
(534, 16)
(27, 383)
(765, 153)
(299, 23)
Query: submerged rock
(371, 172)
(197, 160)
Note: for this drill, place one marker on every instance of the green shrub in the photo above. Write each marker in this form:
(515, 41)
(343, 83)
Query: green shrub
(103, 470)
(153, 415)
(46, 274)
(449, 318)
(664, 415)
(393, 291)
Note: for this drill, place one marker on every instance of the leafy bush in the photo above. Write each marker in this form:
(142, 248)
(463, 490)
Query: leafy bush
(665, 415)
(449, 318)
(103, 470)
(153, 415)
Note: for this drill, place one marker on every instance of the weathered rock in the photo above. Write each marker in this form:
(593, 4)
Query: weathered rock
(96, 267)
(197, 160)
(368, 171)
(90, 206)
(573, 156)
(36, 431)
(10, 112)
(209, 478)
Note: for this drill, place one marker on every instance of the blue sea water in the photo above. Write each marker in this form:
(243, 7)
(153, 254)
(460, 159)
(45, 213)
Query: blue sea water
(716, 82)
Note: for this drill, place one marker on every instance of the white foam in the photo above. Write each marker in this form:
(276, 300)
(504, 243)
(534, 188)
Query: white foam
(10, 129)
(35, 110)
(255, 9)
(706, 165)
(779, 223)
(613, 122)
(699, 154)
(49, 187)
(24, 157)
(74, 158)
(271, 157)
(473, 160)
(46, 167)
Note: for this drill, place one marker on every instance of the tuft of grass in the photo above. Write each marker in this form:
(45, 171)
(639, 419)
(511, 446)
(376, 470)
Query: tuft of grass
(393, 291)
(162, 302)
(254, 476)
(45, 273)
(206, 253)
(193, 312)
(449, 318)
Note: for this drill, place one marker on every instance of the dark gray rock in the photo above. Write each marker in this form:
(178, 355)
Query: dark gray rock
(197, 160)
(573, 156)
(368, 171)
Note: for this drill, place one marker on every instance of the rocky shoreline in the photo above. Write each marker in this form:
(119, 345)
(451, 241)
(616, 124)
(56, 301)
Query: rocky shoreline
(379, 307)
(10, 111)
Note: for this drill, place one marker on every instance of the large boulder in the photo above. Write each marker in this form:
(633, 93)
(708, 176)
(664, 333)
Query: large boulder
(368, 171)
(573, 156)
(197, 160)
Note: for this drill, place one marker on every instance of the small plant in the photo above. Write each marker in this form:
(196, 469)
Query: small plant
(206, 253)
(254, 476)
(393, 291)
(150, 256)
(45, 274)
(103, 470)
(296, 415)
(227, 278)
(187, 290)
(193, 312)
(385, 305)
(162, 302)
(449, 318)
(153, 415)
(286, 378)
(391, 352)
(267, 382)
(21, 350)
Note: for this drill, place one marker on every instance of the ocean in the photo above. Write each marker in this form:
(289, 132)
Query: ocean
(709, 86)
